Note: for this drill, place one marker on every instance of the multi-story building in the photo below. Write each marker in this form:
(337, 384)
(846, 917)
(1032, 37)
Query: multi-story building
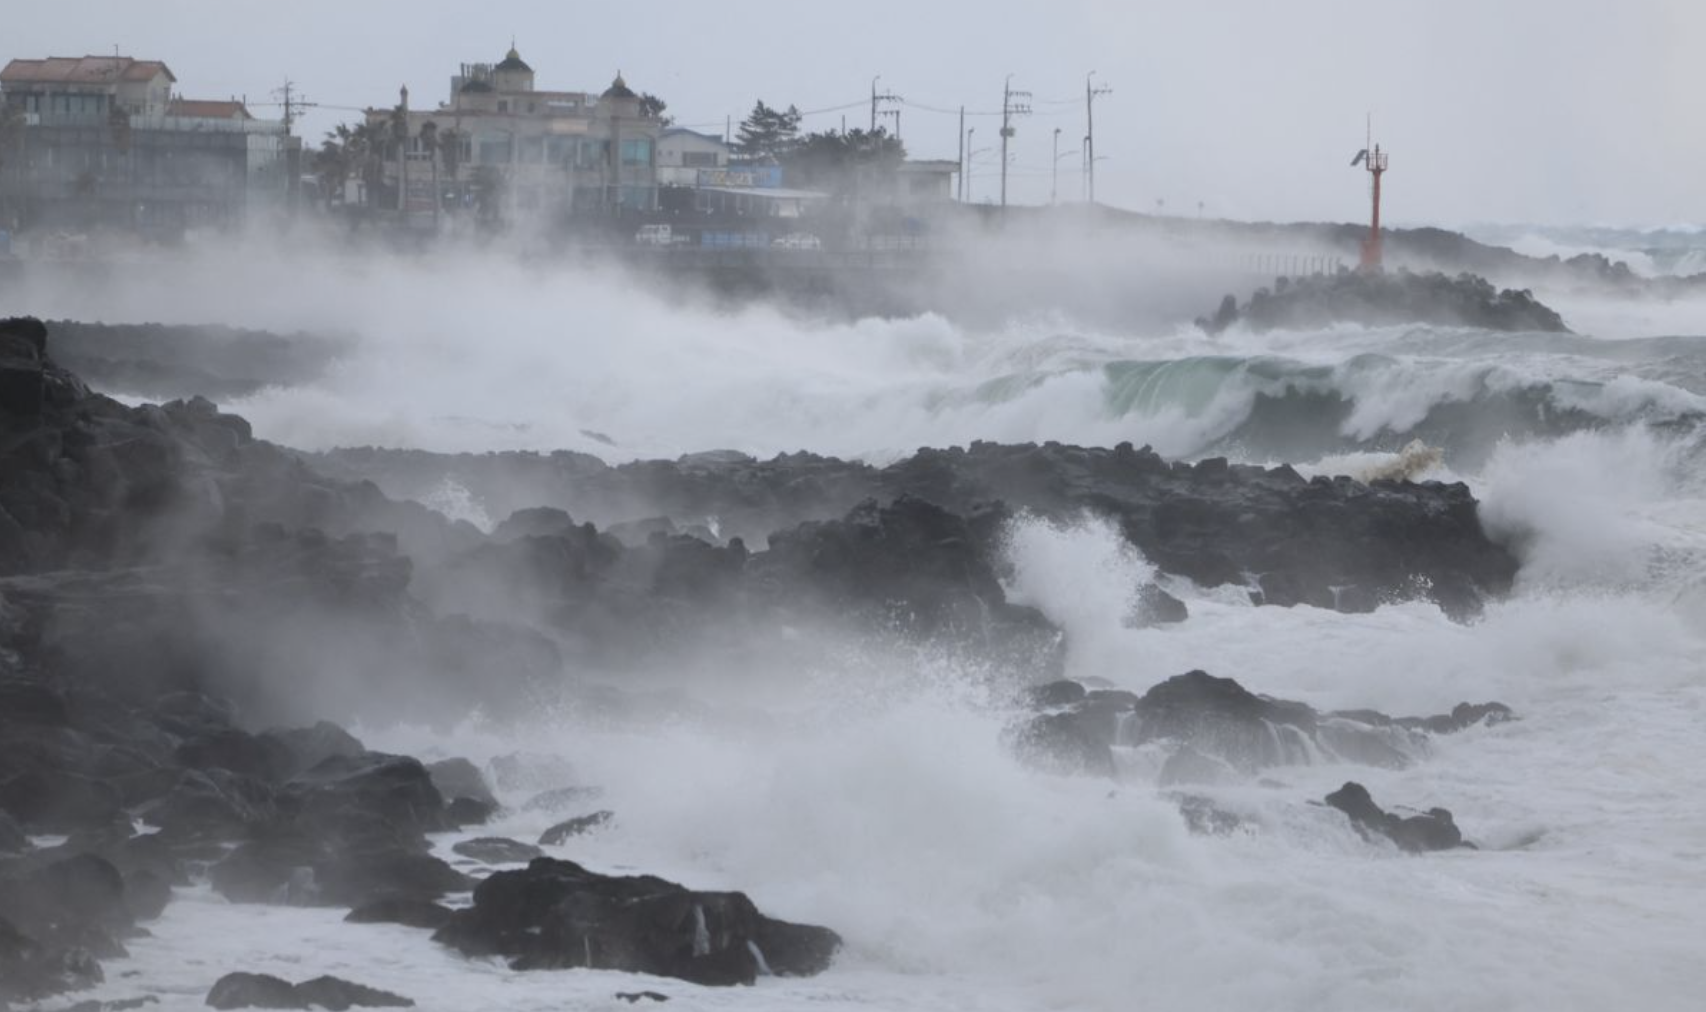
(102, 142)
(525, 152)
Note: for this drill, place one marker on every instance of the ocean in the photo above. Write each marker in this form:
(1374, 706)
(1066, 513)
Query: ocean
(878, 798)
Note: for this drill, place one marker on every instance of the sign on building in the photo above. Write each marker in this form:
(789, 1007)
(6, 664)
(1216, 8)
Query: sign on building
(746, 177)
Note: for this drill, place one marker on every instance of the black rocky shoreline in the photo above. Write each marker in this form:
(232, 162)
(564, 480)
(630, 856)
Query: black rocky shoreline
(1383, 299)
(180, 604)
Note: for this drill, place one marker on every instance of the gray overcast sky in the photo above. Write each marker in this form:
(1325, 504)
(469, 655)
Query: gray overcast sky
(1548, 111)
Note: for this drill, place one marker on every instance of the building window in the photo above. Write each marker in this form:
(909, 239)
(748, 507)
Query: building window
(494, 150)
(559, 150)
(699, 159)
(637, 152)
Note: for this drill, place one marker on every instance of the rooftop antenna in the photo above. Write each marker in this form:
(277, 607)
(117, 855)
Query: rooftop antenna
(1374, 160)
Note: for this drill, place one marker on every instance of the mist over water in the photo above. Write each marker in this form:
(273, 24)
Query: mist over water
(877, 795)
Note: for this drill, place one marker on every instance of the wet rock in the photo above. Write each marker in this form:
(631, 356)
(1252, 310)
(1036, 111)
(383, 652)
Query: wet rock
(1388, 298)
(561, 798)
(212, 805)
(337, 995)
(497, 850)
(464, 812)
(1205, 818)
(566, 830)
(13, 840)
(1430, 831)
(259, 990)
(253, 990)
(350, 791)
(1063, 692)
(407, 912)
(556, 914)
(78, 891)
(459, 778)
(236, 751)
(332, 871)
(59, 801)
(1220, 718)
(310, 746)
(1154, 607)
(632, 997)
(1215, 730)
(31, 970)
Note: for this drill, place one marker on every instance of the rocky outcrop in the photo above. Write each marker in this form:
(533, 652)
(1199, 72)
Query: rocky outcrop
(557, 915)
(1331, 543)
(259, 990)
(1212, 730)
(1386, 299)
(1430, 830)
(164, 579)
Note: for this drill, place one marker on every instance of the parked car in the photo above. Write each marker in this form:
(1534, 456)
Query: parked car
(797, 240)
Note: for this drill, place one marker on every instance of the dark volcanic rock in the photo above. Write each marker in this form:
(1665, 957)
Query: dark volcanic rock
(259, 990)
(409, 913)
(353, 790)
(1327, 542)
(556, 914)
(303, 871)
(253, 990)
(557, 835)
(1433, 830)
(1384, 299)
(464, 812)
(1213, 730)
(12, 837)
(497, 850)
(459, 778)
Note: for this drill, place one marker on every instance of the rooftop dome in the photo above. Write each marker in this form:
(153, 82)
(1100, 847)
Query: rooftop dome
(619, 88)
(513, 61)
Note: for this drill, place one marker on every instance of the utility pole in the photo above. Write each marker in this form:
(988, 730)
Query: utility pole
(293, 103)
(962, 161)
(1090, 93)
(1013, 103)
(887, 96)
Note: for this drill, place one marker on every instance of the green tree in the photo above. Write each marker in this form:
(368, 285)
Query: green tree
(768, 133)
(838, 162)
(652, 106)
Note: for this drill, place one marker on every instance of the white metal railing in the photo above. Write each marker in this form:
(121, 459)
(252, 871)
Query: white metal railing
(176, 124)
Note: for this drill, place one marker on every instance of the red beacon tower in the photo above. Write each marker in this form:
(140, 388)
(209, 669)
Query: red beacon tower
(1375, 161)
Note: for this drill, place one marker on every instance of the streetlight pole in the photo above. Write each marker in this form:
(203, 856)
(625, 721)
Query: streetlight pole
(874, 81)
(1054, 183)
(965, 171)
(971, 159)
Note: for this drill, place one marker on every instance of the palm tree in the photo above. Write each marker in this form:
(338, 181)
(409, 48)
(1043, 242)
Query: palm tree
(399, 123)
(429, 144)
(450, 149)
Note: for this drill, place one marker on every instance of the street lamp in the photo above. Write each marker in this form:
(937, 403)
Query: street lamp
(970, 157)
(966, 168)
(1054, 184)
